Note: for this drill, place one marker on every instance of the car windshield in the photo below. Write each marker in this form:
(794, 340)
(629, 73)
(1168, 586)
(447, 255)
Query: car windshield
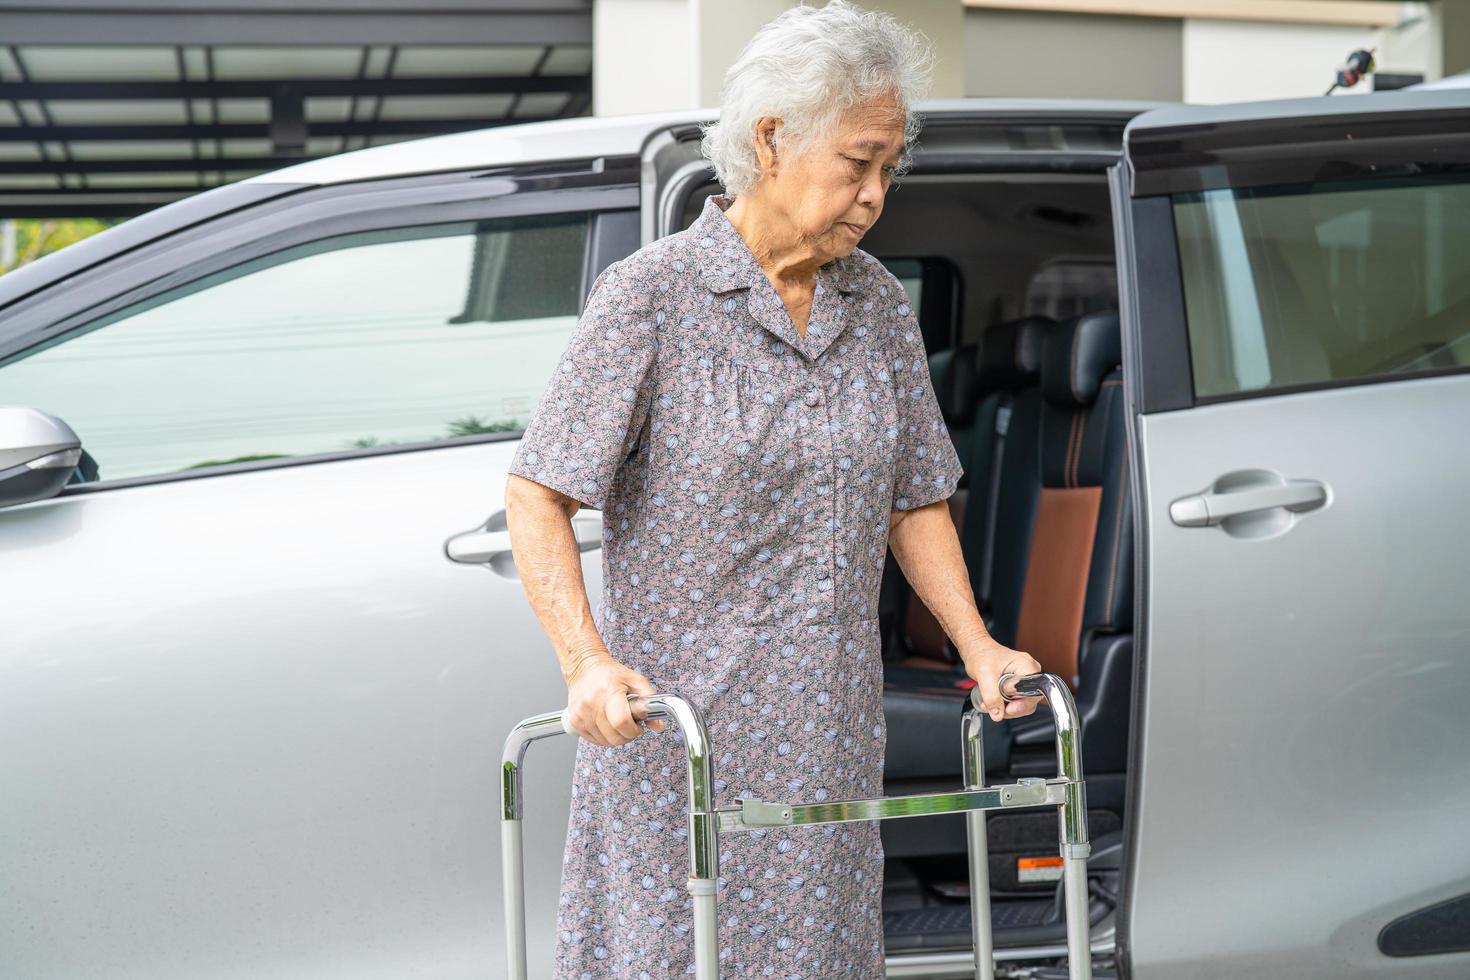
(1305, 285)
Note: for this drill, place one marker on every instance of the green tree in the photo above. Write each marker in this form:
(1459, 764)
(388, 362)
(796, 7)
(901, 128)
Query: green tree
(35, 237)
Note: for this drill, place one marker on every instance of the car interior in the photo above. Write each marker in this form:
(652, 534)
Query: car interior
(1014, 281)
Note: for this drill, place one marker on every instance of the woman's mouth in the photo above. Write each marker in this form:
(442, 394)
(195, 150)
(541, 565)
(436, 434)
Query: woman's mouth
(855, 229)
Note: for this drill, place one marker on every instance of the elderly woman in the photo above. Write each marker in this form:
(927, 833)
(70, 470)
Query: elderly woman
(748, 402)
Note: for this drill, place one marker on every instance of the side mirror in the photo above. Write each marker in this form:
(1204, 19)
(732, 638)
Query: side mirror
(38, 453)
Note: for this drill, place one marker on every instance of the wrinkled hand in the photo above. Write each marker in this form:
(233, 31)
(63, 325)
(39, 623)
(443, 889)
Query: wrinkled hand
(985, 661)
(597, 700)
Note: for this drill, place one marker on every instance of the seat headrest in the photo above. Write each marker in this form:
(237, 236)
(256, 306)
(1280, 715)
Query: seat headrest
(1010, 353)
(953, 373)
(1078, 354)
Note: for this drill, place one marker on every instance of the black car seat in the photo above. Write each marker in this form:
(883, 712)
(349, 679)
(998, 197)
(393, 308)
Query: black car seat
(1060, 584)
(1076, 610)
(977, 389)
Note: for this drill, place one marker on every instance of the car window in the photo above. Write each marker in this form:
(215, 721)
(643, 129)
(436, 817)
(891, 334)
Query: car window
(1326, 283)
(1064, 288)
(370, 339)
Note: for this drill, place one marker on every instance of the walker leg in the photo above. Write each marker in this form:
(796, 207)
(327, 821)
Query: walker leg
(979, 849)
(514, 886)
(513, 880)
(1079, 950)
(1071, 814)
(706, 929)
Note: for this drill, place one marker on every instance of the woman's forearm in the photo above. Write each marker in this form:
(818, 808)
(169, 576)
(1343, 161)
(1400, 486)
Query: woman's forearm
(550, 565)
(928, 551)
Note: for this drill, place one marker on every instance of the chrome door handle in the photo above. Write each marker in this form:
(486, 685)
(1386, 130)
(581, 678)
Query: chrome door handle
(1210, 509)
(492, 540)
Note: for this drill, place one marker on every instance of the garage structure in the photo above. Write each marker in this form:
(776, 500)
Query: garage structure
(108, 110)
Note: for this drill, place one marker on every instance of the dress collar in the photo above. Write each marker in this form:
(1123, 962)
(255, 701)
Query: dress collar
(726, 262)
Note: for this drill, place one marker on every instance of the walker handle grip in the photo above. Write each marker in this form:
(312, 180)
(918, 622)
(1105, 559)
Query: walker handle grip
(636, 700)
(1012, 687)
(1022, 686)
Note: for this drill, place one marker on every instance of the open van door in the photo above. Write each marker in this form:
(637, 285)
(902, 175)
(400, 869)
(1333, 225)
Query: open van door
(1296, 315)
(670, 169)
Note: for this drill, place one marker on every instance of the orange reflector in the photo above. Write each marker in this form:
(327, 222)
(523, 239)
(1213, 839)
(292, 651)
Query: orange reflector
(1039, 868)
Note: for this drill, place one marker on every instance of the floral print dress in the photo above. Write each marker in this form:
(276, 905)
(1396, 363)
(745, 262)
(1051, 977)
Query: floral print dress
(746, 475)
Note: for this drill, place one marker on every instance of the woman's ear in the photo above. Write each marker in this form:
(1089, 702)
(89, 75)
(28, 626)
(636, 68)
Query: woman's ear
(765, 142)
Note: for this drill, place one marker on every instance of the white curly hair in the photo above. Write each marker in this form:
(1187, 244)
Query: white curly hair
(810, 65)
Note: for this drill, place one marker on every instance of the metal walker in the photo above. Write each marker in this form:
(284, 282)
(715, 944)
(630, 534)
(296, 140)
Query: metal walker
(707, 822)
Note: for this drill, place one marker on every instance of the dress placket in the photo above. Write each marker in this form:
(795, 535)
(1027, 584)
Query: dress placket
(813, 395)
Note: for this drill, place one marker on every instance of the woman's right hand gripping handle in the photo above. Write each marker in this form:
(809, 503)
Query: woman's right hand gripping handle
(598, 708)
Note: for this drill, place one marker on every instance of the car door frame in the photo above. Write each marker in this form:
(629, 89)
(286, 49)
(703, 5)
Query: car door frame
(672, 165)
(604, 187)
(1185, 147)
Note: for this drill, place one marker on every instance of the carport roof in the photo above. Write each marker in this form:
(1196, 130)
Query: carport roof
(116, 109)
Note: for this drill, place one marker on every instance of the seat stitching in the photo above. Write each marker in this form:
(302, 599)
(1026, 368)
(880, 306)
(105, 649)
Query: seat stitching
(1117, 538)
(1072, 362)
(1077, 452)
(1081, 444)
(1067, 458)
(1072, 448)
(1074, 451)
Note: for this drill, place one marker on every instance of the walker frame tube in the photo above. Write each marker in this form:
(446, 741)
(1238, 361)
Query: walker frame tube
(706, 822)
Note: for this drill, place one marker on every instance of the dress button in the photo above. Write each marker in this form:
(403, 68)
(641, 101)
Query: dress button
(813, 397)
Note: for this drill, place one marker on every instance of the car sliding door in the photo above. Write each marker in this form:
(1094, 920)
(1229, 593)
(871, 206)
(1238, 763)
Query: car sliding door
(1297, 323)
(257, 667)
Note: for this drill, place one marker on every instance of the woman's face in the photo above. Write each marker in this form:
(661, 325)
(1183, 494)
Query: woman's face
(833, 193)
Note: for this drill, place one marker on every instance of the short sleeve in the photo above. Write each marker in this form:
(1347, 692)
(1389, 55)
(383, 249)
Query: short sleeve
(593, 409)
(927, 467)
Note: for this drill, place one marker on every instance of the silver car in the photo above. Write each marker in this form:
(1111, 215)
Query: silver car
(1208, 366)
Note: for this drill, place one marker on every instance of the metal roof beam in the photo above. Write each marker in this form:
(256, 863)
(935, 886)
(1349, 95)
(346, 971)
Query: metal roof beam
(144, 133)
(177, 165)
(307, 23)
(266, 88)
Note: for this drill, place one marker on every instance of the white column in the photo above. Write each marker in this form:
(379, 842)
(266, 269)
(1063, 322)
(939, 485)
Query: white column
(1449, 39)
(651, 55)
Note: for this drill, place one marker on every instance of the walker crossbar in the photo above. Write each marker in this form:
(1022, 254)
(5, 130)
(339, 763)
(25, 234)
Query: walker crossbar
(755, 814)
(706, 822)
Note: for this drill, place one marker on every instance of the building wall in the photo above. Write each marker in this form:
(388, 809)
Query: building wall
(642, 58)
(1064, 55)
(721, 30)
(1241, 60)
(664, 54)
(651, 55)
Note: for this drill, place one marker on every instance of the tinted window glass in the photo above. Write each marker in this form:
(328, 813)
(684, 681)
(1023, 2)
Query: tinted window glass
(1308, 285)
(371, 339)
(1066, 288)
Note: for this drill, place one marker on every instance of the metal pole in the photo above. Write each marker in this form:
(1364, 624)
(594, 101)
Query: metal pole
(512, 878)
(705, 822)
(704, 831)
(1071, 814)
(979, 850)
(704, 841)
